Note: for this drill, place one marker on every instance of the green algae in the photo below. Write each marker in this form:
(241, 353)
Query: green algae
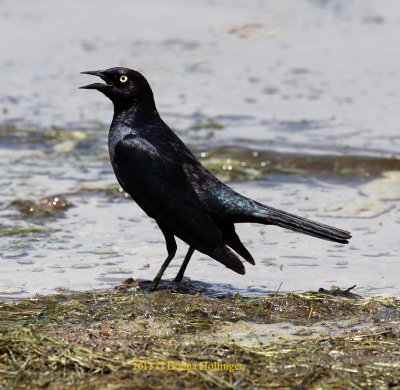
(207, 123)
(113, 192)
(240, 164)
(233, 170)
(45, 207)
(23, 231)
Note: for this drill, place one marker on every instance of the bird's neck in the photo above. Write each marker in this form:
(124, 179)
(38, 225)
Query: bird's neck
(135, 114)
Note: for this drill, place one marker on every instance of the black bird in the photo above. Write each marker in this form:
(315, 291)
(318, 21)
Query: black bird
(169, 183)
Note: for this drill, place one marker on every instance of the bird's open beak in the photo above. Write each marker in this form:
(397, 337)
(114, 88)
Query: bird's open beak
(99, 86)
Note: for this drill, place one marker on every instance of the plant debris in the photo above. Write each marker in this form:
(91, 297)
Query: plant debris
(45, 207)
(165, 340)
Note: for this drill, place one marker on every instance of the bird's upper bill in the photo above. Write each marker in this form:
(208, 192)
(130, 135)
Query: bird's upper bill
(99, 86)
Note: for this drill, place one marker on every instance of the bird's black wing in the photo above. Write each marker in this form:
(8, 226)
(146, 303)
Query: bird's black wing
(160, 187)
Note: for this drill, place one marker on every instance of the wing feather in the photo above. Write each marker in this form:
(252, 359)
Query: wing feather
(160, 187)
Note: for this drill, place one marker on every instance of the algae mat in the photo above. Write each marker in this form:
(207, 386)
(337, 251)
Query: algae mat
(164, 340)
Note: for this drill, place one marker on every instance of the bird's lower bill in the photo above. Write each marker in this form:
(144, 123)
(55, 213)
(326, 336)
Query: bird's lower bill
(98, 86)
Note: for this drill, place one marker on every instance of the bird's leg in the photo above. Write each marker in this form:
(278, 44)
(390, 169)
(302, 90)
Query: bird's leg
(154, 283)
(182, 270)
(171, 248)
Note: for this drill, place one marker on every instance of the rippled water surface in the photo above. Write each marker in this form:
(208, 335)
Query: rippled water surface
(293, 102)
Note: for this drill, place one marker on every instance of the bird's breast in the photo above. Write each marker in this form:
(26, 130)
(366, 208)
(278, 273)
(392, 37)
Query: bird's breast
(116, 134)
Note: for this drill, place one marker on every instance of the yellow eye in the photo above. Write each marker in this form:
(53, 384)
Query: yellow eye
(123, 79)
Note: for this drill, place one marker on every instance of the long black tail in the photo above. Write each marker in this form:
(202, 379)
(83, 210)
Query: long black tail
(270, 216)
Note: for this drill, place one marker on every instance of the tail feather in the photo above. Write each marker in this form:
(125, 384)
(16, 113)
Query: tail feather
(270, 216)
(225, 256)
(230, 238)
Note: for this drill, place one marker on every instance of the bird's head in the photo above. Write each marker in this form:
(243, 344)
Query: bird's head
(124, 87)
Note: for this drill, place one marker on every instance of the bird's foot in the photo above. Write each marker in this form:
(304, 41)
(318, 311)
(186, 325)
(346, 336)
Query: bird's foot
(153, 285)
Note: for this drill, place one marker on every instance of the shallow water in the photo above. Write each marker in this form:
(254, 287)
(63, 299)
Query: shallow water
(296, 102)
